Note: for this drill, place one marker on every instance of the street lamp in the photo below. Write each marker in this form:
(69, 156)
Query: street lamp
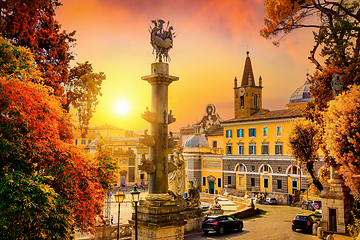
(119, 198)
(135, 194)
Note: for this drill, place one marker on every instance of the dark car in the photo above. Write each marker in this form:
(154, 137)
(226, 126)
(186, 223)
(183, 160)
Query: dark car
(303, 222)
(221, 223)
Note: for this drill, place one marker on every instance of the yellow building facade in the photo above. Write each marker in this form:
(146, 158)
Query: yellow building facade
(255, 155)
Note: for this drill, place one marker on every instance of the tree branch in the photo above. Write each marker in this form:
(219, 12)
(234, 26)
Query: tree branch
(312, 57)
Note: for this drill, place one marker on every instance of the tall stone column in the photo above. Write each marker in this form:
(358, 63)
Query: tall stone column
(159, 80)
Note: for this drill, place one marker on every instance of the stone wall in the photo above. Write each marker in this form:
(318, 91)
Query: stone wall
(245, 213)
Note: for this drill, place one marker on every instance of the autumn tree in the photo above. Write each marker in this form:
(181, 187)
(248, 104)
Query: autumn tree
(32, 24)
(343, 136)
(36, 137)
(82, 91)
(304, 145)
(336, 41)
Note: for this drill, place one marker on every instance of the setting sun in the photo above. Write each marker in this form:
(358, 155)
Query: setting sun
(122, 108)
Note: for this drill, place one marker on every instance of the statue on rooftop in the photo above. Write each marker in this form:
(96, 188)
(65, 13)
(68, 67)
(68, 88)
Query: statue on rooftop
(161, 39)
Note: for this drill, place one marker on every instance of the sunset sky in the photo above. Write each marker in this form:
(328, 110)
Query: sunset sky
(209, 52)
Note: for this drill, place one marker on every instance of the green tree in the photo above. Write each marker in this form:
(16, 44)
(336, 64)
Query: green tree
(304, 145)
(30, 209)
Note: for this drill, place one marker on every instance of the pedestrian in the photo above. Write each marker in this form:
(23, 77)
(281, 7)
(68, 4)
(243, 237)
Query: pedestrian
(112, 219)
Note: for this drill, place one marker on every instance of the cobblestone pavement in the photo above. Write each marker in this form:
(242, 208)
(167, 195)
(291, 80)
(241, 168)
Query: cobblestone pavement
(274, 223)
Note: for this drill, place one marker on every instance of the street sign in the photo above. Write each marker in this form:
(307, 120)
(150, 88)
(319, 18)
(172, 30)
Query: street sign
(316, 206)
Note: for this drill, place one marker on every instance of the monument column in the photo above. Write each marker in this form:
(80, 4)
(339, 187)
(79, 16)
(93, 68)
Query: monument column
(160, 216)
(159, 80)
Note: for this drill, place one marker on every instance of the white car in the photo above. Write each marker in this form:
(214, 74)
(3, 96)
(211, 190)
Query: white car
(271, 201)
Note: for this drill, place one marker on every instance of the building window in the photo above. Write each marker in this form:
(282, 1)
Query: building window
(240, 133)
(294, 170)
(294, 183)
(76, 142)
(240, 168)
(204, 181)
(252, 168)
(278, 131)
(229, 180)
(255, 100)
(265, 149)
(241, 180)
(266, 168)
(252, 149)
(253, 182)
(279, 148)
(228, 149)
(219, 182)
(241, 149)
(242, 101)
(214, 144)
(265, 132)
(279, 184)
(252, 132)
(228, 133)
(89, 141)
(83, 141)
(279, 169)
(266, 182)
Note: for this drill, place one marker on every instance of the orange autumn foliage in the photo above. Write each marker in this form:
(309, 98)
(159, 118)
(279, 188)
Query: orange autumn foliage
(342, 136)
(36, 138)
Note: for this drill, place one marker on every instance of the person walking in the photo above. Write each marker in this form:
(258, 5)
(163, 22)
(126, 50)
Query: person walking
(112, 219)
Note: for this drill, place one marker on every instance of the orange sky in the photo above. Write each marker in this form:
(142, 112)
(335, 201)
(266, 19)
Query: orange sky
(209, 52)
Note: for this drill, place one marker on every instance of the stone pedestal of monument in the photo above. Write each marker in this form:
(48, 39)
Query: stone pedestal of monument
(160, 219)
(337, 204)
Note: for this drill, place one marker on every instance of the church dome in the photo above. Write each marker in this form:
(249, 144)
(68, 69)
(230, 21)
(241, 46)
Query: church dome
(302, 94)
(197, 141)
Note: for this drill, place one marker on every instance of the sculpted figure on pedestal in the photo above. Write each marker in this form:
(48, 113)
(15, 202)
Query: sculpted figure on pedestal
(215, 205)
(193, 198)
(177, 176)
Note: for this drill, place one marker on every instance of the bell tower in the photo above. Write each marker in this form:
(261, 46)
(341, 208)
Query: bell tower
(248, 96)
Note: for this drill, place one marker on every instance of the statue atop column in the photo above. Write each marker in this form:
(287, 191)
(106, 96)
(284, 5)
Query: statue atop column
(161, 39)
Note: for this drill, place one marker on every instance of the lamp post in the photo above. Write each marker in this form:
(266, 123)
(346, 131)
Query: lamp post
(135, 194)
(119, 198)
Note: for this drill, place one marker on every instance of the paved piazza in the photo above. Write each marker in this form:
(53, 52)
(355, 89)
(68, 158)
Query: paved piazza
(275, 224)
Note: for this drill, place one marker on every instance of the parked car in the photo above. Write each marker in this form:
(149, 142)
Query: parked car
(271, 201)
(303, 222)
(307, 204)
(221, 223)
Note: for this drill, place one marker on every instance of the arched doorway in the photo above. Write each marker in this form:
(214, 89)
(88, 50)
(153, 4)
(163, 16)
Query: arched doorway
(211, 180)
